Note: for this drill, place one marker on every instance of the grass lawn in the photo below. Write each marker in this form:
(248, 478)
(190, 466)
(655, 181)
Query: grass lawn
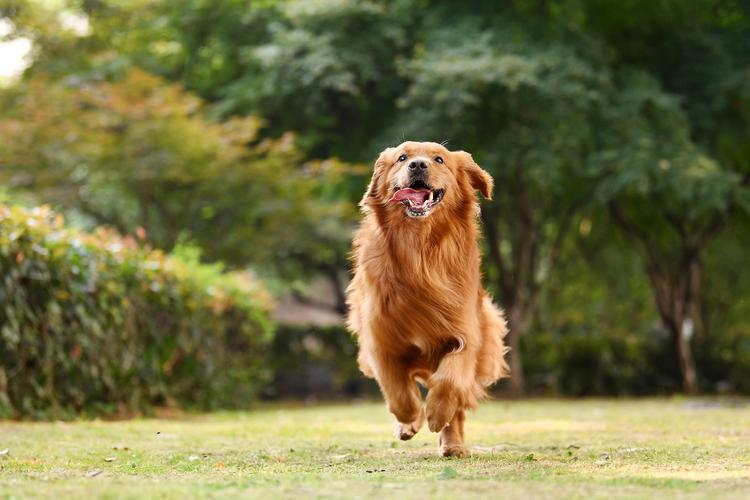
(538, 449)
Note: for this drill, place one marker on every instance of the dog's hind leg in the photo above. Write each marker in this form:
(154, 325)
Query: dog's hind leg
(452, 437)
(491, 364)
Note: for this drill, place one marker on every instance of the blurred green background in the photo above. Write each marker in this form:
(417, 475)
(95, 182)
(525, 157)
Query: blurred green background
(195, 168)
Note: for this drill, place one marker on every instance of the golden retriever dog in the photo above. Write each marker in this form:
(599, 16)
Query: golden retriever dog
(416, 302)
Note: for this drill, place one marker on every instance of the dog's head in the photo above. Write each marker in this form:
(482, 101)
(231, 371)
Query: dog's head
(418, 179)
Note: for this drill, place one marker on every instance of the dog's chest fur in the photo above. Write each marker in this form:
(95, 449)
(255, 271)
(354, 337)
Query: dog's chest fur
(419, 302)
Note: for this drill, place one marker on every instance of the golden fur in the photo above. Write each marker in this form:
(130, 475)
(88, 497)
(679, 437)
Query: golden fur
(416, 302)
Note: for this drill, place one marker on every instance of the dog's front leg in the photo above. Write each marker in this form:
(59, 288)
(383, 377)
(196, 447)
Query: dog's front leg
(401, 395)
(451, 387)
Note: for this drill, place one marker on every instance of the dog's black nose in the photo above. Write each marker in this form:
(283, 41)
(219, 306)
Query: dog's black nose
(417, 164)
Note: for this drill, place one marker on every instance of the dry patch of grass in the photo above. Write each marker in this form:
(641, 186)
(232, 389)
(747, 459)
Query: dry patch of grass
(541, 449)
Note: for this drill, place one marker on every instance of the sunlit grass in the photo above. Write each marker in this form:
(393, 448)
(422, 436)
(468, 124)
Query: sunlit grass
(548, 449)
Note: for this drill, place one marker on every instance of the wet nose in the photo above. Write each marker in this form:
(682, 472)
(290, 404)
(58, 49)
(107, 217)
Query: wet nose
(417, 165)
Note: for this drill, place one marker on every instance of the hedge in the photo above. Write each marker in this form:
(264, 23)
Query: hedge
(98, 323)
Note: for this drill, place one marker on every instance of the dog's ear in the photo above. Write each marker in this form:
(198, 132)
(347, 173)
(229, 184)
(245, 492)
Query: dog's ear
(371, 194)
(478, 178)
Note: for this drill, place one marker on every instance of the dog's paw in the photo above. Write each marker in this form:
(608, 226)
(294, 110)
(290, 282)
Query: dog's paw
(441, 406)
(405, 432)
(456, 450)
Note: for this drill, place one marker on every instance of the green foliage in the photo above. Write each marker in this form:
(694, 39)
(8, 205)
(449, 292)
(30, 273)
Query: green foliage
(649, 159)
(588, 340)
(331, 62)
(582, 360)
(139, 152)
(723, 351)
(99, 323)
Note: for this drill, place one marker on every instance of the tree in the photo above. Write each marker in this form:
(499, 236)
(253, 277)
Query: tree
(683, 164)
(140, 152)
(526, 113)
(668, 197)
(330, 62)
(334, 63)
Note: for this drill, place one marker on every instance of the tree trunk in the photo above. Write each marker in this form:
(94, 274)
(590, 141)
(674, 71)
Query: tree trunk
(685, 359)
(677, 299)
(681, 328)
(518, 324)
(517, 382)
(677, 290)
(339, 290)
(691, 323)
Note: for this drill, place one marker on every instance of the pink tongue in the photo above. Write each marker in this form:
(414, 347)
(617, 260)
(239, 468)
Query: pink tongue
(417, 197)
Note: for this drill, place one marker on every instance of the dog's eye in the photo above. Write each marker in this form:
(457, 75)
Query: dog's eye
(438, 159)
(402, 158)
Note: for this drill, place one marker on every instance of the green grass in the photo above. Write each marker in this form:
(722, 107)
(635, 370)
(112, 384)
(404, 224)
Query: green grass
(539, 449)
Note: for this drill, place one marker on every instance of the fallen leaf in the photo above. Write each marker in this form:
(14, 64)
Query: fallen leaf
(193, 458)
(110, 459)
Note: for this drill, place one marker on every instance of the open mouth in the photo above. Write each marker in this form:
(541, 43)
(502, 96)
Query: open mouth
(419, 198)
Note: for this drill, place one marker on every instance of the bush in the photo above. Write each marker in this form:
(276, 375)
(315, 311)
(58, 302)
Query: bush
(97, 323)
(584, 362)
